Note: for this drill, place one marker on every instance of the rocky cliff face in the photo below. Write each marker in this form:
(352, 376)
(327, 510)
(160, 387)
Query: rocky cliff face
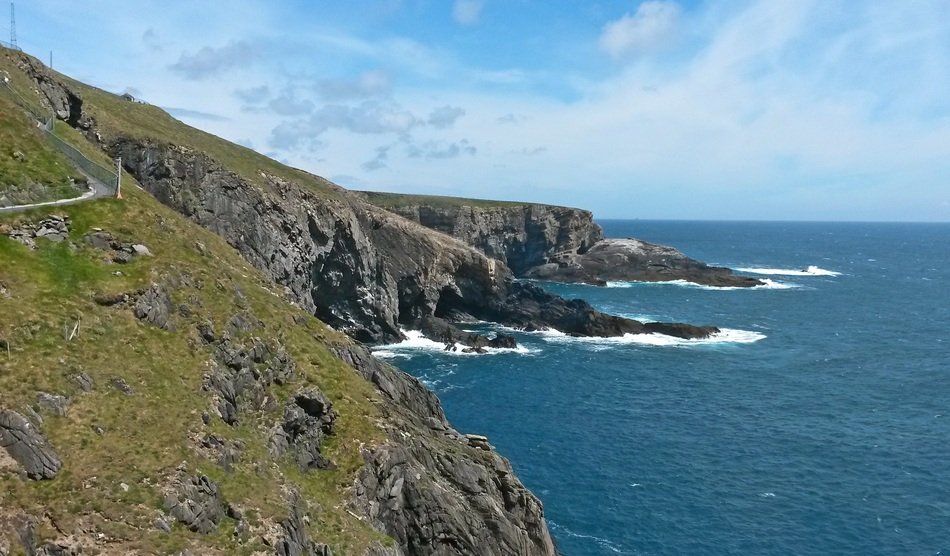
(554, 243)
(364, 271)
(521, 236)
(360, 269)
(635, 260)
(436, 491)
(369, 272)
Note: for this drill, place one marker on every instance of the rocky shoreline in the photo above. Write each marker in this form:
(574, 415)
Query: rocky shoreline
(364, 271)
(557, 244)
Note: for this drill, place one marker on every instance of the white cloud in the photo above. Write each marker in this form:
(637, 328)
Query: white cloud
(764, 106)
(649, 27)
(210, 61)
(445, 116)
(467, 12)
(367, 84)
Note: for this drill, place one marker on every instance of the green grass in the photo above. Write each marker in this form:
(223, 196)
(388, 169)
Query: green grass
(117, 117)
(31, 170)
(147, 434)
(398, 200)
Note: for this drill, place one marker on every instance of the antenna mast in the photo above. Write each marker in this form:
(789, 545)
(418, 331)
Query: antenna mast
(13, 28)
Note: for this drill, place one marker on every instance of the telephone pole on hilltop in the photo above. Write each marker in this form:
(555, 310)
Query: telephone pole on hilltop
(13, 28)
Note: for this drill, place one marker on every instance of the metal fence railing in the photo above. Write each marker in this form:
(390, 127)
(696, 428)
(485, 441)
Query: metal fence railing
(46, 122)
(89, 167)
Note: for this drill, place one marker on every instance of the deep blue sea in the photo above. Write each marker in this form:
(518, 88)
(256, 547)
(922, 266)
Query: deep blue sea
(819, 423)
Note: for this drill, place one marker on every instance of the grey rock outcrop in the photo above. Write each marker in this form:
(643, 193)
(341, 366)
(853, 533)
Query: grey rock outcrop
(27, 446)
(635, 260)
(84, 382)
(295, 540)
(119, 251)
(154, 306)
(555, 243)
(431, 489)
(308, 419)
(357, 267)
(53, 228)
(53, 403)
(62, 100)
(196, 502)
(520, 235)
(436, 501)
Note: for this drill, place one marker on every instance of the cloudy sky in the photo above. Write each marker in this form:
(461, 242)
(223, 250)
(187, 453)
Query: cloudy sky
(768, 109)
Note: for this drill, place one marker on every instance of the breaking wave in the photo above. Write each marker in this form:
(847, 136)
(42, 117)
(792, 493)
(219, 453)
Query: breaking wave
(416, 342)
(724, 336)
(768, 285)
(811, 270)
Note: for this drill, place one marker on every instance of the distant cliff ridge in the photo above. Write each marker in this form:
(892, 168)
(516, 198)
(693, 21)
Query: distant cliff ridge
(522, 235)
(554, 243)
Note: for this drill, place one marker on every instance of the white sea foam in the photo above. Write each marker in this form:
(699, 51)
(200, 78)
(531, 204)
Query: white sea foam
(767, 285)
(606, 543)
(724, 336)
(636, 316)
(416, 342)
(811, 270)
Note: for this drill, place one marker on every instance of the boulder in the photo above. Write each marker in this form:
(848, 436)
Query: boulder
(196, 502)
(121, 385)
(53, 403)
(141, 250)
(680, 330)
(27, 446)
(84, 382)
(154, 306)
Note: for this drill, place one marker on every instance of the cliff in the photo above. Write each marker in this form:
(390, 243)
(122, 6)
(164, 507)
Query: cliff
(182, 332)
(166, 388)
(522, 235)
(553, 243)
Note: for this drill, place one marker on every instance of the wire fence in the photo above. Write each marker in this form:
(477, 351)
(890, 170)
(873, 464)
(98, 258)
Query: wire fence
(11, 46)
(46, 122)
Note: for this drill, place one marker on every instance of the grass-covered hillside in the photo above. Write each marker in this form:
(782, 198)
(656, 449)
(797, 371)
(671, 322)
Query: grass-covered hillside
(160, 392)
(121, 447)
(31, 170)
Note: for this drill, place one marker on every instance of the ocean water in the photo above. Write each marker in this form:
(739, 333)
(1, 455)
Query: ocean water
(818, 423)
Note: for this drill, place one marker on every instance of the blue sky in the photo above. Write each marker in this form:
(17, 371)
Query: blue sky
(769, 109)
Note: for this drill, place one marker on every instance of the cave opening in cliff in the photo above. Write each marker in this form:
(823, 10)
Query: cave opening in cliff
(451, 306)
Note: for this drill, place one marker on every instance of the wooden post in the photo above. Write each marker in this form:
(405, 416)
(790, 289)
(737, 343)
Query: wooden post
(118, 178)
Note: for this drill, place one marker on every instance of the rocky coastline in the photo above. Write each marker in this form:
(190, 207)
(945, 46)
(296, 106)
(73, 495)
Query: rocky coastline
(366, 272)
(557, 244)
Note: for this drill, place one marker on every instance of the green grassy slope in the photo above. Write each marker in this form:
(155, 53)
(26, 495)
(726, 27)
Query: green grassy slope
(116, 115)
(146, 435)
(31, 170)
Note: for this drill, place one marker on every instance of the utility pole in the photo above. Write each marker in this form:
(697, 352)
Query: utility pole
(118, 178)
(13, 28)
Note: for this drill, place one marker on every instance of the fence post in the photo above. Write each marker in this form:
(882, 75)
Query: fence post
(118, 177)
